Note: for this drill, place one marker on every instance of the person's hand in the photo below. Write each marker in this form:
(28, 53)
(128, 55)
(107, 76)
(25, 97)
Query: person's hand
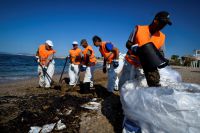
(72, 67)
(83, 68)
(134, 49)
(67, 58)
(37, 59)
(45, 68)
(104, 69)
(115, 63)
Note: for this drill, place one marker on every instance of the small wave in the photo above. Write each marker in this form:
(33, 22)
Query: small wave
(4, 79)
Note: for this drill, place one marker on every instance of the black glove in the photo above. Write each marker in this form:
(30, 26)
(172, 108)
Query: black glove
(67, 58)
(83, 68)
(45, 68)
(115, 63)
(104, 69)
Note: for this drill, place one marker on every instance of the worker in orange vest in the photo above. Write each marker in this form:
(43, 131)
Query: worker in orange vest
(111, 61)
(45, 54)
(145, 45)
(88, 64)
(75, 61)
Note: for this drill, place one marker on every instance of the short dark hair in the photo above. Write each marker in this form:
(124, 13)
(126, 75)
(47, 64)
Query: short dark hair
(96, 39)
(83, 41)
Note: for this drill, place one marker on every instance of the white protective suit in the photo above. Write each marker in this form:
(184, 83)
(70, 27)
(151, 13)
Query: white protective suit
(73, 72)
(45, 80)
(89, 75)
(113, 74)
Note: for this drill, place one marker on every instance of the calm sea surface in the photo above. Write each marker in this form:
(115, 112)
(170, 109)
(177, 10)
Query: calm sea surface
(19, 67)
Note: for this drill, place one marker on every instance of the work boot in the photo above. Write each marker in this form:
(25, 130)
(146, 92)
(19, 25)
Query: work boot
(85, 88)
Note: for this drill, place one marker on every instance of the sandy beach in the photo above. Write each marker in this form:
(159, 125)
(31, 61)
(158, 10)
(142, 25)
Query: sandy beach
(23, 105)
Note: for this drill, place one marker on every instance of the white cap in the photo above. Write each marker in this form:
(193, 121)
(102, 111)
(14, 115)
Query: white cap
(49, 42)
(75, 42)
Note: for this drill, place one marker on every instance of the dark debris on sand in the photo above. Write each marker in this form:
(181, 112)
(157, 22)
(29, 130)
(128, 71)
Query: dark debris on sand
(18, 114)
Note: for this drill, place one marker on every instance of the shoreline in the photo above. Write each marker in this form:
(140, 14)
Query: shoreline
(16, 79)
(21, 87)
(184, 71)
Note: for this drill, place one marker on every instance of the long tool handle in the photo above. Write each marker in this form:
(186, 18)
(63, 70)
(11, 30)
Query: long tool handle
(63, 71)
(45, 72)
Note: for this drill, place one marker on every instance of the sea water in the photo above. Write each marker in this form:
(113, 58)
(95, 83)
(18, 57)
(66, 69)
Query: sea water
(20, 67)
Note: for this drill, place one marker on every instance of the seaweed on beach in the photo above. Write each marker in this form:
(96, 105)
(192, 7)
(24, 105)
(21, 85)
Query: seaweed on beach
(44, 109)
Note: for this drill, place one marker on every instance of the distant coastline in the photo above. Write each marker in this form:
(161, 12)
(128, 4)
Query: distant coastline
(26, 54)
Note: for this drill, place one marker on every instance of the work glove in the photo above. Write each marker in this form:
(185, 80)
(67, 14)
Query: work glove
(104, 69)
(83, 68)
(45, 68)
(115, 63)
(166, 63)
(134, 49)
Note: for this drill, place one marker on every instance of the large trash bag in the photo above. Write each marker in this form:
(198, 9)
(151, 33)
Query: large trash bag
(172, 108)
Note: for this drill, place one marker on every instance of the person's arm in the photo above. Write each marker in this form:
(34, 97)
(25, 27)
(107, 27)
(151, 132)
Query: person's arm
(37, 56)
(88, 55)
(116, 53)
(131, 40)
(49, 59)
(37, 53)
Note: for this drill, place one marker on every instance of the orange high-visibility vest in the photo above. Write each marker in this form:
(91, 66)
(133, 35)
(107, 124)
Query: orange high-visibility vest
(44, 54)
(142, 37)
(109, 56)
(132, 59)
(75, 56)
(92, 58)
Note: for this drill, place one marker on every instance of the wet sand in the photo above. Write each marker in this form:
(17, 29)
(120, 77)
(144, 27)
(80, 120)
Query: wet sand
(23, 105)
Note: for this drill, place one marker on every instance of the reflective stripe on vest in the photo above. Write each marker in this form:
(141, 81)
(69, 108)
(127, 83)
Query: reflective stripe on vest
(109, 56)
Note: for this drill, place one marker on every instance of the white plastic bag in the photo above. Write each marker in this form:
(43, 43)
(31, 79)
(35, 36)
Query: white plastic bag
(173, 108)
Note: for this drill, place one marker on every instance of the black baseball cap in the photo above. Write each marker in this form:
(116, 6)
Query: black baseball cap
(164, 17)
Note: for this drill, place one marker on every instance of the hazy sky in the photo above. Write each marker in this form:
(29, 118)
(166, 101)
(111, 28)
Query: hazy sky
(24, 25)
